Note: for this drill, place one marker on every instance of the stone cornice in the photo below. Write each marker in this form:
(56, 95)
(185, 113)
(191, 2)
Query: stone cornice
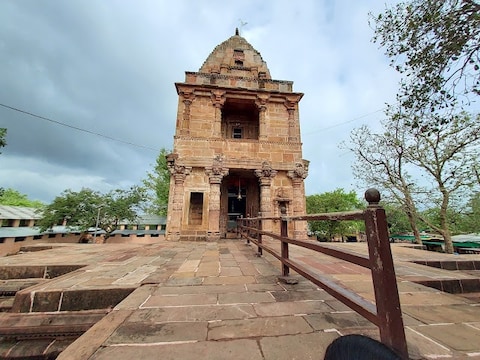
(191, 138)
(280, 96)
(223, 76)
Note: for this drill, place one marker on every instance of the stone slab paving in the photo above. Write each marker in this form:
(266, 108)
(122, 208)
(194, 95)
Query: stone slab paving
(220, 301)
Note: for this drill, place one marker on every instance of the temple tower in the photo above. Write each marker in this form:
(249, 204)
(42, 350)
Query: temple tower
(237, 149)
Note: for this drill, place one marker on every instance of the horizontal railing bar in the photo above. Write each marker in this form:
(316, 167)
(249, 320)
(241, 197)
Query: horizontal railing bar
(360, 260)
(334, 216)
(346, 296)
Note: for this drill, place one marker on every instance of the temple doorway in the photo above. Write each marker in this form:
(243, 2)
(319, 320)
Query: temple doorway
(239, 198)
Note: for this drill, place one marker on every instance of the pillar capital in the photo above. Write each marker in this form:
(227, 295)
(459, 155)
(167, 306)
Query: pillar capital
(187, 95)
(178, 171)
(218, 98)
(300, 172)
(217, 171)
(291, 101)
(261, 101)
(265, 174)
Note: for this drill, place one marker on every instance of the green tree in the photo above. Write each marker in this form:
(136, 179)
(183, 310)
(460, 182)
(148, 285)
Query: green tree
(15, 198)
(157, 185)
(334, 201)
(3, 134)
(447, 157)
(381, 162)
(435, 45)
(470, 222)
(82, 209)
(398, 221)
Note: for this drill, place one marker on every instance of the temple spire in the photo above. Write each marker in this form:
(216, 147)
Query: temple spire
(237, 33)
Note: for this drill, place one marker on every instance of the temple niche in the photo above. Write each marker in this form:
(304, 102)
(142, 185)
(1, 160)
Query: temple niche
(237, 149)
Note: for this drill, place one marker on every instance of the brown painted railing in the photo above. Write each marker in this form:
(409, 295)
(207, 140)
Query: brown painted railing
(386, 312)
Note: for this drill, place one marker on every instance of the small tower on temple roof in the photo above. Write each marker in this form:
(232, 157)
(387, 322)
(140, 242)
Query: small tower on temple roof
(237, 149)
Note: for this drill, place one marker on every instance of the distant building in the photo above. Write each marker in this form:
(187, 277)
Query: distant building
(18, 228)
(237, 150)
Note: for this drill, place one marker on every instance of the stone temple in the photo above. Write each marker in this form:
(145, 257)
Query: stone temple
(237, 150)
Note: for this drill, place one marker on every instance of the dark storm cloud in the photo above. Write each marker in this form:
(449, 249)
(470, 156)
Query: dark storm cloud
(109, 67)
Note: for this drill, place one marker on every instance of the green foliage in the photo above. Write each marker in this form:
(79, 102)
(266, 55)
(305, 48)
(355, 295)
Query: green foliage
(14, 198)
(3, 134)
(334, 201)
(157, 184)
(397, 218)
(470, 221)
(435, 45)
(81, 209)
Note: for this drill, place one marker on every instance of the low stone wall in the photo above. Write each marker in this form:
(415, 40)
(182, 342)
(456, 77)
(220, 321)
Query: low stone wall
(11, 246)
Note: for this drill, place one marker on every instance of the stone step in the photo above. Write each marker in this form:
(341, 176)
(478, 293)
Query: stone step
(43, 336)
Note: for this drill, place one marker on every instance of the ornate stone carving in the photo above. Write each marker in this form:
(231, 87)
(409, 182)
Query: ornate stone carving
(188, 95)
(261, 101)
(266, 174)
(282, 194)
(301, 170)
(178, 171)
(217, 171)
(291, 102)
(218, 98)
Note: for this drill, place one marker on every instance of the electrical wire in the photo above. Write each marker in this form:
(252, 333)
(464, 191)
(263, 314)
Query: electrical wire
(343, 123)
(151, 148)
(77, 128)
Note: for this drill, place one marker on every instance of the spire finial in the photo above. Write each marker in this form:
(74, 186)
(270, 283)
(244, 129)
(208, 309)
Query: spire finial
(237, 32)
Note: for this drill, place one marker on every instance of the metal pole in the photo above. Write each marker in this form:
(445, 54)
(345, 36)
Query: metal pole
(387, 301)
(96, 225)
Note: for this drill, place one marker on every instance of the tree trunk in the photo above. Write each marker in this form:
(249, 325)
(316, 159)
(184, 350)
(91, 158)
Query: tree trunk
(447, 237)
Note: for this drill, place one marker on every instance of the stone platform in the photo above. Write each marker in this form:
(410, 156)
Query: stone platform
(218, 300)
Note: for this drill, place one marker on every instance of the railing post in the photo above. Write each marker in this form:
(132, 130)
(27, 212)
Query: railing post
(387, 301)
(285, 255)
(259, 235)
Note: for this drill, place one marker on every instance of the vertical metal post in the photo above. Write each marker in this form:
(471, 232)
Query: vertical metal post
(259, 235)
(389, 313)
(96, 224)
(285, 255)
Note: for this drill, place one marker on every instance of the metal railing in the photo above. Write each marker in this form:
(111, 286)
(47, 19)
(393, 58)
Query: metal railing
(386, 312)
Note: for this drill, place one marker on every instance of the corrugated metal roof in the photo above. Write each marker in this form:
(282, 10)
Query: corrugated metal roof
(466, 238)
(146, 219)
(18, 212)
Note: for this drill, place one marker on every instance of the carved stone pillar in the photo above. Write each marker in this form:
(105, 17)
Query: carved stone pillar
(261, 103)
(218, 99)
(215, 173)
(187, 97)
(175, 213)
(265, 176)
(293, 133)
(298, 175)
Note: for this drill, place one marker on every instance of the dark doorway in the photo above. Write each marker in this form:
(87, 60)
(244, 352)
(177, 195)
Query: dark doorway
(237, 200)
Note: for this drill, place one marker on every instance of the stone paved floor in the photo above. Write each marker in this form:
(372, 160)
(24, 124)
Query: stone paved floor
(220, 301)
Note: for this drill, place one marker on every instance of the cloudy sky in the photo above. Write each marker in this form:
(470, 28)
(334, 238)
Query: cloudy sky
(102, 74)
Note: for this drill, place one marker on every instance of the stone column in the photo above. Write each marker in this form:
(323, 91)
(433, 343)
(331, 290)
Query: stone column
(297, 176)
(265, 176)
(293, 130)
(175, 213)
(218, 99)
(215, 173)
(261, 102)
(187, 97)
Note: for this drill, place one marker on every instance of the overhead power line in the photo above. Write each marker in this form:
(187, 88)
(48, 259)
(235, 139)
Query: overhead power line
(77, 128)
(343, 123)
(154, 149)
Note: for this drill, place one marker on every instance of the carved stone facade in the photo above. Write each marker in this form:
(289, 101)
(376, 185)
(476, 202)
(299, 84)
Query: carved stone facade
(237, 149)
